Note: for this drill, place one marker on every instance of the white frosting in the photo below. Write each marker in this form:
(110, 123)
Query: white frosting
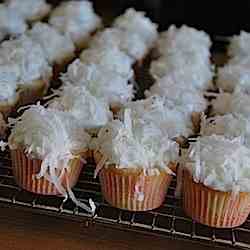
(29, 9)
(91, 112)
(8, 91)
(161, 113)
(233, 75)
(11, 23)
(239, 46)
(100, 82)
(55, 45)
(55, 137)
(28, 60)
(111, 58)
(126, 146)
(76, 19)
(229, 125)
(135, 22)
(221, 164)
(184, 39)
(190, 99)
(130, 43)
(178, 67)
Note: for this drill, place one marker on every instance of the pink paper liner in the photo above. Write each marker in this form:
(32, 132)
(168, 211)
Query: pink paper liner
(132, 190)
(25, 169)
(214, 208)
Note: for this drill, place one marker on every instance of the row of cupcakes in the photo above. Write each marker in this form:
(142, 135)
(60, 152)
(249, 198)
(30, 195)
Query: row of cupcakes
(49, 145)
(30, 61)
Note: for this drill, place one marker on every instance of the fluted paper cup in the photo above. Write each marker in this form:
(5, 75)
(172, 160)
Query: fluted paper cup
(214, 208)
(25, 170)
(130, 189)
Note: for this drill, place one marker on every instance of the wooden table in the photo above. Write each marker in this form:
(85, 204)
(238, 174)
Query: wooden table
(22, 230)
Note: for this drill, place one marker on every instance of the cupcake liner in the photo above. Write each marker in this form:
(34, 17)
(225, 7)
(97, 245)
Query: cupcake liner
(25, 170)
(214, 208)
(130, 189)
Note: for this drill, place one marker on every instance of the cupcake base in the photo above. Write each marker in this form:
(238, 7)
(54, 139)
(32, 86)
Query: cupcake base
(130, 189)
(214, 208)
(25, 170)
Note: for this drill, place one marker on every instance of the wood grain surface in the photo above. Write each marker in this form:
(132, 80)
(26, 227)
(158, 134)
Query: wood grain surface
(22, 230)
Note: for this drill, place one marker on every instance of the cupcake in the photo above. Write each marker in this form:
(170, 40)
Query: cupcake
(135, 164)
(91, 112)
(11, 23)
(129, 43)
(101, 82)
(216, 190)
(47, 150)
(77, 20)
(30, 10)
(111, 59)
(25, 68)
(184, 60)
(60, 49)
(187, 98)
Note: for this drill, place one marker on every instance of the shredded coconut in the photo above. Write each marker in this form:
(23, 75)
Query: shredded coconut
(135, 22)
(100, 82)
(220, 163)
(55, 45)
(76, 19)
(91, 112)
(110, 58)
(126, 146)
(29, 9)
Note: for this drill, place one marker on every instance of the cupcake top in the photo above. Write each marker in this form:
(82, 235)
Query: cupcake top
(184, 39)
(76, 19)
(90, 111)
(233, 75)
(220, 163)
(11, 23)
(126, 146)
(100, 82)
(110, 58)
(179, 68)
(135, 22)
(229, 125)
(29, 9)
(239, 46)
(130, 43)
(159, 112)
(189, 98)
(28, 60)
(58, 47)
(50, 135)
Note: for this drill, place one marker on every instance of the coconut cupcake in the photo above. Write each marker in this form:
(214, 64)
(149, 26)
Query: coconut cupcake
(11, 23)
(111, 59)
(135, 164)
(59, 51)
(77, 20)
(30, 10)
(24, 72)
(47, 151)
(92, 113)
(33, 79)
(216, 182)
(129, 43)
(102, 83)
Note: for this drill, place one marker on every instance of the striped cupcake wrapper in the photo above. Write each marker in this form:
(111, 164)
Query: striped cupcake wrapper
(25, 170)
(132, 190)
(214, 208)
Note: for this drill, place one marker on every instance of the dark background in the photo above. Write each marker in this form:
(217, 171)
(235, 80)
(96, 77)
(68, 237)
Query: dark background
(215, 17)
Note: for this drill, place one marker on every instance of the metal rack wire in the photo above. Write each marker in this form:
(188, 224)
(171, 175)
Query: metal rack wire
(168, 221)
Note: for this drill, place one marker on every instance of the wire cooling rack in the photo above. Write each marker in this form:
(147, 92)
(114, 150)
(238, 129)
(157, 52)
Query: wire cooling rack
(168, 221)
